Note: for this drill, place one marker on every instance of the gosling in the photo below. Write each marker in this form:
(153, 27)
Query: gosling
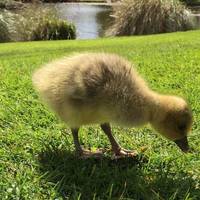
(99, 88)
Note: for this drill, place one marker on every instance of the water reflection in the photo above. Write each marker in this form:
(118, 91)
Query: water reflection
(90, 20)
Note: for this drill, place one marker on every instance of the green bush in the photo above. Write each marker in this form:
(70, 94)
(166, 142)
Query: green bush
(54, 30)
(2, 4)
(191, 2)
(4, 31)
(137, 17)
(10, 4)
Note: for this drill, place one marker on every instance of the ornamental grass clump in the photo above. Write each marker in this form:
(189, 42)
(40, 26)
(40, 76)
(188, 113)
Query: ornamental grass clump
(42, 23)
(4, 32)
(10, 4)
(54, 30)
(140, 17)
(5, 35)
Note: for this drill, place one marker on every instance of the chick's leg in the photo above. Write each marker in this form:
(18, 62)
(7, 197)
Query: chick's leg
(107, 130)
(116, 148)
(79, 150)
(77, 145)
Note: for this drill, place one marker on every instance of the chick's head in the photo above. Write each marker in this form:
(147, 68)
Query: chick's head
(176, 122)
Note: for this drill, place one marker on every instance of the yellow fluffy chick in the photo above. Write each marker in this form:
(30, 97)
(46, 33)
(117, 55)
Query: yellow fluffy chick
(102, 88)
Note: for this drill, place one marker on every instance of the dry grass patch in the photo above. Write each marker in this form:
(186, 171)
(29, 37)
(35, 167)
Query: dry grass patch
(138, 17)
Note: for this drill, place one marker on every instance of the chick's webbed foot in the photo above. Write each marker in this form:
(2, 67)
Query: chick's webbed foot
(83, 153)
(118, 151)
(121, 153)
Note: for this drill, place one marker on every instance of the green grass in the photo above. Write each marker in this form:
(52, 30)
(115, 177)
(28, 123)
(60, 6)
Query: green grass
(36, 153)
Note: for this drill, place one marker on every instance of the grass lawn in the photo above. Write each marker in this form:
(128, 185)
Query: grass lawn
(36, 151)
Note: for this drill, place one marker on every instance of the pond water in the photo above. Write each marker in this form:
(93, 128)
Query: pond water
(91, 20)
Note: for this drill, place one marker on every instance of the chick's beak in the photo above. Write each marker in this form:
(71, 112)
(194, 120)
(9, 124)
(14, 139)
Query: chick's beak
(183, 144)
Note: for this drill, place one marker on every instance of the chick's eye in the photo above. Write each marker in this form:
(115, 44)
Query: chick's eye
(181, 127)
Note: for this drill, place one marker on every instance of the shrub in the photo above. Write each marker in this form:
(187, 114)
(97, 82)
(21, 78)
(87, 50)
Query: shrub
(2, 4)
(4, 31)
(191, 2)
(137, 17)
(54, 30)
(10, 4)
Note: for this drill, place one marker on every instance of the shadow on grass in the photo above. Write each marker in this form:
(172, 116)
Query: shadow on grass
(104, 178)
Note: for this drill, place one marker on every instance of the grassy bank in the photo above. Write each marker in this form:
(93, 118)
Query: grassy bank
(36, 159)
